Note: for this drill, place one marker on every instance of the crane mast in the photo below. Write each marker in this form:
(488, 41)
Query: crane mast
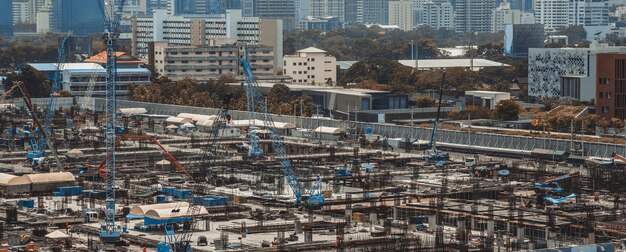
(110, 233)
(277, 142)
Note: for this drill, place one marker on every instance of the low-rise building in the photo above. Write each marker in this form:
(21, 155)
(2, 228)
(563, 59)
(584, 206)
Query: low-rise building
(487, 99)
(211, 61)
(611, 85)
(311, 66)
(78, 77)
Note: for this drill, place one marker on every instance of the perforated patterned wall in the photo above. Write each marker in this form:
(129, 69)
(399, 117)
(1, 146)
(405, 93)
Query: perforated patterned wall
(546, 66)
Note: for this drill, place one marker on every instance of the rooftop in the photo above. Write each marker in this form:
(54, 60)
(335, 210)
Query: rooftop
(311, 50)
(426, 64)
(121, 57)
(50, 67)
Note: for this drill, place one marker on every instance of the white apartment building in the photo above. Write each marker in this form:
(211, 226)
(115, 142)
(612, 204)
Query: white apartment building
(198, 30)
(401, 14)
(311, 66)
(505, 15)
(589, 13)
(327, 8)
(552, 14)
(473, 15)
(21, 11)
(437, 15)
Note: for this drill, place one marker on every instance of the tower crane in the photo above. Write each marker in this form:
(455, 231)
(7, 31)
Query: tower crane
(252, 87)
(109, 232)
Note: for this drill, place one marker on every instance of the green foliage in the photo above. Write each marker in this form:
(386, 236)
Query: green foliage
(13, 56)
(507, 110)
(35, 81)
(362, 43)
(212, 93)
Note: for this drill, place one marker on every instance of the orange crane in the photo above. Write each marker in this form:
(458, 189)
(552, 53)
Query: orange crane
(102, 168)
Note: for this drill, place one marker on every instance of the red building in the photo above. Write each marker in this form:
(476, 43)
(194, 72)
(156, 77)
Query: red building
(611, 85)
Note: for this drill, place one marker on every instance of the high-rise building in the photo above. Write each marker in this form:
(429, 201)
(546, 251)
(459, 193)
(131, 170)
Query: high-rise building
(505, 15)
(21, 11)
(351, 11)
(374, 12)
(518, 38)
(552, 13)
(523, 5)
(276, 9)
(436, 14)
(473, 15)
(148, 6)
(198, 31)
(401, 14)
(588, 13)
(6, 18)
(78, 17)
(302, 8)
(327, 8)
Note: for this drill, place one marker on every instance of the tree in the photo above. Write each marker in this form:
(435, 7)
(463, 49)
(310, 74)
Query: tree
(424, 102)
(507, 110)
(575, 34)
(36, 82)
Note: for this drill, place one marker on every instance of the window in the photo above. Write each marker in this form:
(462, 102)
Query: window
(198, 53)
(294, 63)
(185, 53)
(605, 109)
(198, 70)
(299, 72)
(601, 95)
(312, 68)
(312, 59)
(299, 63)
(184, 62)
(608, 96)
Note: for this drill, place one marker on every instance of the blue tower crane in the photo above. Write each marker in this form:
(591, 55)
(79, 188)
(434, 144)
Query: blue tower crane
(435, 155)
(252, 87)
(110, 233)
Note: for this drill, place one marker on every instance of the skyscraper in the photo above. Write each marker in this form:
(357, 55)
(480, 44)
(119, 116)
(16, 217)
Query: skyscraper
(552, 13)
(6, 18)
(375, 11)
(401, 14)
(78, 17)
(473, 15)
(276, 9)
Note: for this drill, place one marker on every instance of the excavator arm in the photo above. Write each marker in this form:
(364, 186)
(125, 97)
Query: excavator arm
(102, 167)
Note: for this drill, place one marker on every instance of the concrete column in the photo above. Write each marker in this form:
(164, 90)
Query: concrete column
(348, 215)
(490, 227)
(432, 222)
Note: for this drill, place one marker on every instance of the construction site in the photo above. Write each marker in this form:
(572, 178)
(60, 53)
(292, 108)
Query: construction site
(102, 174)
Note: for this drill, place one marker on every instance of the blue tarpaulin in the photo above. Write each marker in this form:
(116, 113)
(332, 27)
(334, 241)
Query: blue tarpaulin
(151, 221)
(133, 216)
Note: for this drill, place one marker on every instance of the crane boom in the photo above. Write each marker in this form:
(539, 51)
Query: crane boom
(268, 121)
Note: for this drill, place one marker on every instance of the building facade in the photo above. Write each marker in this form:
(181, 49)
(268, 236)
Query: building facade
(276, 9)
(436, 14)
(6, 18)
(473, 15)
(504, 15)
(78, 17)
(311, 66)
(552, 13)
(587, 13)
(324, 24)
(565, 72)
(327, 8)
(198, 31)
(611, 85)
(374, 12)
(21, 11)
(518, 38)
(210, 61)
(401, 14)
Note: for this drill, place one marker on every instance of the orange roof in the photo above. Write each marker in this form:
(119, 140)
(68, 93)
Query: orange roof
(100, 58)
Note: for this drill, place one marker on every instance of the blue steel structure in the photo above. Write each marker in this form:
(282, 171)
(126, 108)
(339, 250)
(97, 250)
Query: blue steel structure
(277, 142)
(255, 149)
(252, 87)
(110, 233)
